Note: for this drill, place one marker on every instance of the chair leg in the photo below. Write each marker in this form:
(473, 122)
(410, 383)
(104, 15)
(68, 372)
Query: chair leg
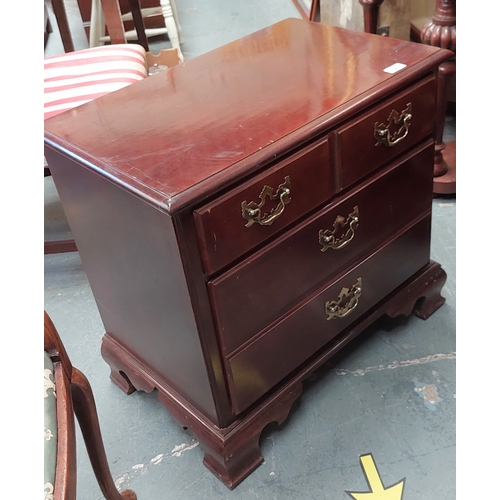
(86, 413)
(135, 8)
(97, 25)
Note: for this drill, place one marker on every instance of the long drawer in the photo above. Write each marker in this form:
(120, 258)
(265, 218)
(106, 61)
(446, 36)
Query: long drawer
(250, 296)
(262, 363)
(248, 215)
(391, 128)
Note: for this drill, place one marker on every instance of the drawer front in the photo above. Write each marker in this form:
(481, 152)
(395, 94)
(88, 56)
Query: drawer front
(381, 134)
(312, 324)
(253, 212)
(246, 299)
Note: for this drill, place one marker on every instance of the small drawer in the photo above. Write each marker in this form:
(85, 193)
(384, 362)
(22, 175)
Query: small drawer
(367, 142)
(248, 215)
(247, 298)
(260, 365)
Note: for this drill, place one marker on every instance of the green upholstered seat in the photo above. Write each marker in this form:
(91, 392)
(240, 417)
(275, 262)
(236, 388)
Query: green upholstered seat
(49, 428)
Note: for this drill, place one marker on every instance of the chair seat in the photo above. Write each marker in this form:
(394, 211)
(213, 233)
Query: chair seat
(74, 78)
(49, 428)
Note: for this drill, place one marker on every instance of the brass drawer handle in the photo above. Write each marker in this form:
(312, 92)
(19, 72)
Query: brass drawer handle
(382, 133)
(347, 302)
(327, 237)
(252, 212)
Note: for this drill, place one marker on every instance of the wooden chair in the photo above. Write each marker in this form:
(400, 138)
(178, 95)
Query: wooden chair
(167, 8)
(67, 392)
(69, 83)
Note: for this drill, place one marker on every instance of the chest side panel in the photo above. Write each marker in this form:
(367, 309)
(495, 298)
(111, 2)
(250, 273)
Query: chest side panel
(130, 254)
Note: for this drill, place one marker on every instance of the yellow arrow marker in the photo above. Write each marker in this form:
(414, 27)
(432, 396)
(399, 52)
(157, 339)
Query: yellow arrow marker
(378, 491)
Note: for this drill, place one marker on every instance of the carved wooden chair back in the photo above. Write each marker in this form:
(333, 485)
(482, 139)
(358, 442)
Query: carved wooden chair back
(67, 392)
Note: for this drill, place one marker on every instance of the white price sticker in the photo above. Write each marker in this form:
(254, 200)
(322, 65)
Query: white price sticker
(394, 68)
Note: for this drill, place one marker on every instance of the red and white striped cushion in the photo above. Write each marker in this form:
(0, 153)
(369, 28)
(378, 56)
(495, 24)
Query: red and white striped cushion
(78, 77)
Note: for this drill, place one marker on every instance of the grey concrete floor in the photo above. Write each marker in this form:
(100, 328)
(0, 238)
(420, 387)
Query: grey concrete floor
(392, 393)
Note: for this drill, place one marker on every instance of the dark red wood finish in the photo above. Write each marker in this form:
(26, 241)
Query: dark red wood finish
(152, 178)
(113, 18)
(254, 369)
(217, 221)
(255, 293)
(441, 31)
(136, 275)
(356, 146)
(370, 14)
(226, 449)
(279, 83)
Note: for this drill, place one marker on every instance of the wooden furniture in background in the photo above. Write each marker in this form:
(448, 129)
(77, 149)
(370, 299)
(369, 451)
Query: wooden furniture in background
(370, 14)
(388, 18)
(167, 8)
(308, 9)
(46, 25)
(118, 36)
(257, 223)
(406, 20)
(109, 15)
(440, 31)
(155, 21)
(74, 396)
(421, 12)
(63, 24)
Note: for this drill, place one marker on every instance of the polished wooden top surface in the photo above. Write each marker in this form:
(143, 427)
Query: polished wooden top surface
(172, 137)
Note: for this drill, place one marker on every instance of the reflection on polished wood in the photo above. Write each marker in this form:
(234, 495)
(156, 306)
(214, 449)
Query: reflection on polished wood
(441, 32)
(197, 303)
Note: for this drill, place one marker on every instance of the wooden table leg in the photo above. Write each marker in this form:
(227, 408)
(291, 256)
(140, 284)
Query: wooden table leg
(444, 153)
(441, 32)
(370, 14)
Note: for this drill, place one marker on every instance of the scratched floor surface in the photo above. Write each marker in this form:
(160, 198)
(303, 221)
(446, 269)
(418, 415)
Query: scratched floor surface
(391, 394)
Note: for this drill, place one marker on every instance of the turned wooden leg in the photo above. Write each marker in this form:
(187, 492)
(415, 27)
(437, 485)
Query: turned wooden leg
(441, 32)
(444, 153)
(86, 413)
(445, 72)
(370, 14)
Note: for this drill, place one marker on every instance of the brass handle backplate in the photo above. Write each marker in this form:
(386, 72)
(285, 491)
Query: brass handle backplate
(252, 211)
(382, 133)
(327, 237)
(346, 303)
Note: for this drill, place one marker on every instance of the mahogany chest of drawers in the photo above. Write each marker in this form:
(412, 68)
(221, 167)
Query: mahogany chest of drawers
(244, 215)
